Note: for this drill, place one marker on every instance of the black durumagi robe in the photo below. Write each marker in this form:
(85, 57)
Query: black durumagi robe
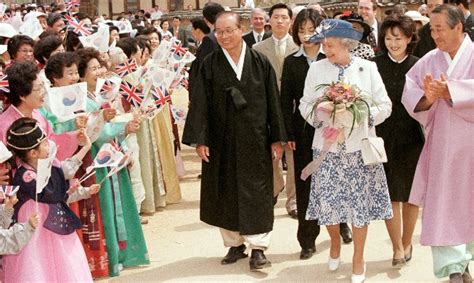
(238, 121)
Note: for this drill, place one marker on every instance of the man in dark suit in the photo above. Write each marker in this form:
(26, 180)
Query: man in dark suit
(258, 28)
(463, 5)
(178, 31)
(368, 10)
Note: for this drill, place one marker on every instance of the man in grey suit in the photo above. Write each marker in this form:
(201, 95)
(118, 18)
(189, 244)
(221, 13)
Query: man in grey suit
(276, 48)
(257, 19)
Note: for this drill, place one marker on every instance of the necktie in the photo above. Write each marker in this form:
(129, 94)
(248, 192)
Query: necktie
(259, 38)
(280, 51)
(372, 41)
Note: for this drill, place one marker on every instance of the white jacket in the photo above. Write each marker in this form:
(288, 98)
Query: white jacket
(362, 73)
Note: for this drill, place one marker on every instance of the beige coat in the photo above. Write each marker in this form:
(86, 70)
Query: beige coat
(267, 48)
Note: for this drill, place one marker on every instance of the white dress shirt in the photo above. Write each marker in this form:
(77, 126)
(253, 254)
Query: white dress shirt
(240, 65)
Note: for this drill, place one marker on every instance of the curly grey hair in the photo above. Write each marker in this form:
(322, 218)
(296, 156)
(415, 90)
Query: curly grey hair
(348, 43)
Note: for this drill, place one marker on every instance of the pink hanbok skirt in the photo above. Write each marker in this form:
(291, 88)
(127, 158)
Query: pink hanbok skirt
(48, 257)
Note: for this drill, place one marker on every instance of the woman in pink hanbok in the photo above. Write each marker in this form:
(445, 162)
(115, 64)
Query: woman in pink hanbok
(55, 253)
(23, 104)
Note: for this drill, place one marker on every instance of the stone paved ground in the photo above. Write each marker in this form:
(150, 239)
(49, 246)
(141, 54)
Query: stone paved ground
(182, 248)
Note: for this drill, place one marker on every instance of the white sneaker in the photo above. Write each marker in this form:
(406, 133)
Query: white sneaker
(333, 263)
(358, 278)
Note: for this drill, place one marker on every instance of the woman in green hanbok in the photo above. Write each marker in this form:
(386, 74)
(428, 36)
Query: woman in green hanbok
(123, 233)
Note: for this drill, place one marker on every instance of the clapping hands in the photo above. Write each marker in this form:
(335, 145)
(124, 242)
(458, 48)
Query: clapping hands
(436, 89)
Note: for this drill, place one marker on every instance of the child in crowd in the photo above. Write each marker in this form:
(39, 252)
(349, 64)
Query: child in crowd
(13, 239)
(55, 253)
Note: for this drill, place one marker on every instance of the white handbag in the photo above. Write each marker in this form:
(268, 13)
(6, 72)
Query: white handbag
(373, 150)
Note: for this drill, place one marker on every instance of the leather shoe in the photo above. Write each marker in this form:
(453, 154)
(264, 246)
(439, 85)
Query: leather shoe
(258, 260)
(455, 278)
(334, 263)
(307, 253)
(234, 254)
(408, 256)
(359, 278)
(293, 214)
(398, 262)
(346, 234)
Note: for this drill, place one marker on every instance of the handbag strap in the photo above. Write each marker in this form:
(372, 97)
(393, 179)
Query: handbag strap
(375, 147)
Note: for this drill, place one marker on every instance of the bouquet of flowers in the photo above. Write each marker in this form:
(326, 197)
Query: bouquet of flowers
(342, 105)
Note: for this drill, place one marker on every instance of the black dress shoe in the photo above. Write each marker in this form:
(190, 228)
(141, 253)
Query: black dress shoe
(293, 214)
(409, 255)
(346, 234)
(307, 253)
(258, 260)
(455, 278)
(234, 254)
(275, 200)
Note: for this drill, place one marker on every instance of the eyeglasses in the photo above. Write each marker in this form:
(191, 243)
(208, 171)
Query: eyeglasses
(226, 32)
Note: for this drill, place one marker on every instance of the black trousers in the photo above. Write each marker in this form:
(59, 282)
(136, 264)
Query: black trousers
(308, 230)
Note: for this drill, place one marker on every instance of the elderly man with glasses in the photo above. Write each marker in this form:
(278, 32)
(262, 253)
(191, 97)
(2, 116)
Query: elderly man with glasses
(235, 122)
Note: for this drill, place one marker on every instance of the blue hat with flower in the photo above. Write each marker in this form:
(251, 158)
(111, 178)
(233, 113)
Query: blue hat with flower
(335, 28)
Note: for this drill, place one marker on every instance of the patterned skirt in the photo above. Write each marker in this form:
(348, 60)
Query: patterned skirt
(345, 190)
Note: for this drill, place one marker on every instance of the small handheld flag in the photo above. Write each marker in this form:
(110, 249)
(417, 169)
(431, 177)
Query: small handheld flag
(126, 68)
(131, 94)
(161, 95)
(8, 190)
(4, 84)
(5, 154)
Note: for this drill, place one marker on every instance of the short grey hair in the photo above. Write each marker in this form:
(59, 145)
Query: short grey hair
(257, 10)
(453, 13)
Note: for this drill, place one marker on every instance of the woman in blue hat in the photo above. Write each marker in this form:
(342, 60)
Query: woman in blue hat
(343, 187)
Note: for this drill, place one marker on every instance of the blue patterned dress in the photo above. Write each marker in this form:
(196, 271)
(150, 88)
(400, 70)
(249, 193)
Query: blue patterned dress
(344, 189)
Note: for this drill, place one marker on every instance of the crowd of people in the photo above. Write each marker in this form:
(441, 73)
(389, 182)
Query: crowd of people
(113, 158)
(316, 95)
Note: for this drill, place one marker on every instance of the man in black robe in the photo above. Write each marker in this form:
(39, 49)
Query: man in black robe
(236, 124)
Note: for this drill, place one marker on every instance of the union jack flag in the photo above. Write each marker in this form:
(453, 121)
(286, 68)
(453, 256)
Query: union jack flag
(72, 3)
(184, 82)
(8, 190)
(4, 84)
(78, 27)
(107, 87)
(178, 49)
(126, 68)
(131, 93)
(116, 145)
(160, 95)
